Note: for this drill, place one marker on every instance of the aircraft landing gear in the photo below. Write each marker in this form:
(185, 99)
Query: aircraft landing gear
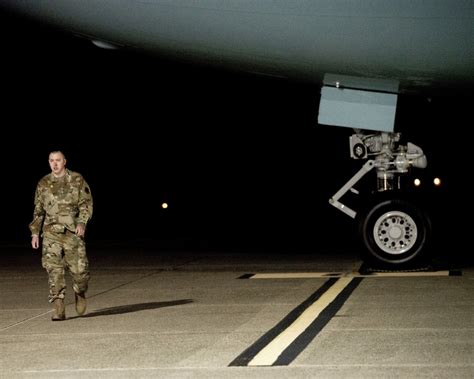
(394, 229)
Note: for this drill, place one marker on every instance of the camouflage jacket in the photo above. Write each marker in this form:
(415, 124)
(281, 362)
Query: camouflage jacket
(61, 203)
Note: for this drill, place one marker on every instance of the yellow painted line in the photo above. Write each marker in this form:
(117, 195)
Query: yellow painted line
(421, 273)
(270, 353)
(300, 275)
(348, 274)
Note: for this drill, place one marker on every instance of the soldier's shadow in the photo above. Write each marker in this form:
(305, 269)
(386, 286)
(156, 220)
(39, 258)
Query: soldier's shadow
(121, 309)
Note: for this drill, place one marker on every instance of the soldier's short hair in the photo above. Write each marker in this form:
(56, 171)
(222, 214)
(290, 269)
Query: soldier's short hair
(58, 152)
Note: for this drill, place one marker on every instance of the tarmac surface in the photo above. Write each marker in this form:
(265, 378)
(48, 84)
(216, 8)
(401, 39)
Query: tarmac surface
(237, 314)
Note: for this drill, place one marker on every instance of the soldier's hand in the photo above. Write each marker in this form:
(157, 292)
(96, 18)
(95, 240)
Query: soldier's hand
(34, 242)
(80, 230)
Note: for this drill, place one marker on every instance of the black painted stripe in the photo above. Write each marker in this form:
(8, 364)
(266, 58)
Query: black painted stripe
(304, 339)
(245, 357)
(245, 276)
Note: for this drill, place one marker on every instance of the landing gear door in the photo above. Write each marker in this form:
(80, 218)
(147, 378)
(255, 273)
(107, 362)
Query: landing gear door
(358, 103)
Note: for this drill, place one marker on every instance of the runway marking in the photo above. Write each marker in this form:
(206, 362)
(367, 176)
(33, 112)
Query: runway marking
(348, 274)
(282, 344)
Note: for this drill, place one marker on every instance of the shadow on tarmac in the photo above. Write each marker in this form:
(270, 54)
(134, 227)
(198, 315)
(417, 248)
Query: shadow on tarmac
(129, 308)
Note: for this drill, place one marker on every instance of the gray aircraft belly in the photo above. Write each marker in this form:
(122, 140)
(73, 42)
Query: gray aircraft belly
(418, 42)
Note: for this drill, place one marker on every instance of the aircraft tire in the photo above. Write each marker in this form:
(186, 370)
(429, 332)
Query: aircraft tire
(395, 233)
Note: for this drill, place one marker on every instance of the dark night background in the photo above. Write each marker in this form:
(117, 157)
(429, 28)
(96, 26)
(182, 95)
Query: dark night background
(240, 158)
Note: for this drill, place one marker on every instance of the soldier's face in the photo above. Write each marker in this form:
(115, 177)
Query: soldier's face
(57, 162)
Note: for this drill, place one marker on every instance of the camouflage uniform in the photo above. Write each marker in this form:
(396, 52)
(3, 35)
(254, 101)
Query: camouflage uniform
(60, 204)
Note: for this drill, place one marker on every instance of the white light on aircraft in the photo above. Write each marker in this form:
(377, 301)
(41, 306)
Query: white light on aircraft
(437, 182)
(164, 205)
(104, 45)
(417, 182)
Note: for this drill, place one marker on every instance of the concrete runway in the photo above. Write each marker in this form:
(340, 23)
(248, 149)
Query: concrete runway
(234, 314)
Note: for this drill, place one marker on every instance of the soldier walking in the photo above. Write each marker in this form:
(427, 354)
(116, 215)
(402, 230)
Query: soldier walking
(63, 206)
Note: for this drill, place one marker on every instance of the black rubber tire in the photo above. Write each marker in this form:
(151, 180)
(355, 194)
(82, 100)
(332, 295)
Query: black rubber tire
(395, 232)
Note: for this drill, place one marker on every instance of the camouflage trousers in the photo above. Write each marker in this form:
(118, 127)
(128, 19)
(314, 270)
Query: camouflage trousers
(61, 252)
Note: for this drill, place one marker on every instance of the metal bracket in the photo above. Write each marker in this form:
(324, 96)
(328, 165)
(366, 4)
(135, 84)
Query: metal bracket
(334, 201)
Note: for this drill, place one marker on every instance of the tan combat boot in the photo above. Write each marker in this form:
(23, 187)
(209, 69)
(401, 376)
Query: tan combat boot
(81, 303)
(59, 311)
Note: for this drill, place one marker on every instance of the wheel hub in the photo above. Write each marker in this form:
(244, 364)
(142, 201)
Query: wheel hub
(395, 232)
